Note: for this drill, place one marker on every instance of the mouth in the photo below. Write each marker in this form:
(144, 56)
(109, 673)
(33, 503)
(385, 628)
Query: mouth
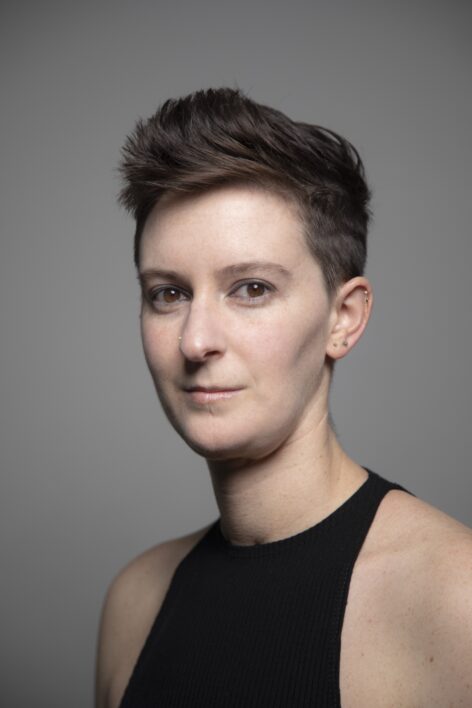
(200, 394)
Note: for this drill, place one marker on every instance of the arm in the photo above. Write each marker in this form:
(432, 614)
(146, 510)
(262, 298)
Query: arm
(448, 632)
(130, 608)
(131, 603)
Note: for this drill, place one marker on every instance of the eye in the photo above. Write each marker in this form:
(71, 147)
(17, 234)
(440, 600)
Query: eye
(254, 289)
(165, 296)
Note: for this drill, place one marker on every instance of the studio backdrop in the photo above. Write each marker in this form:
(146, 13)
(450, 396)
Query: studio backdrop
(92, 473)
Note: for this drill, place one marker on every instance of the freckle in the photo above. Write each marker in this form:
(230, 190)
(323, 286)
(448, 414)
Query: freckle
(431, 659)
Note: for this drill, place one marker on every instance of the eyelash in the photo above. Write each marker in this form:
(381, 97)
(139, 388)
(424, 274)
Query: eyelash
(253, 300)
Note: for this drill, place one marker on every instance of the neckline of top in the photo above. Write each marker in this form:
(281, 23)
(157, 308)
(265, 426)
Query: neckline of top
(282, 544)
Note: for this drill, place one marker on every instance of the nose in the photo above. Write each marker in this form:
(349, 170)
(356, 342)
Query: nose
(202, 335)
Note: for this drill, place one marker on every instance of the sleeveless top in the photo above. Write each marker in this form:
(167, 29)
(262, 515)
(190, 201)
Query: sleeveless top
(256, 626)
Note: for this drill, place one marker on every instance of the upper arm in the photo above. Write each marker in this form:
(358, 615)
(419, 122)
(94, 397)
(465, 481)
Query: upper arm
(448, 632)
(424, 608)
(132, 602)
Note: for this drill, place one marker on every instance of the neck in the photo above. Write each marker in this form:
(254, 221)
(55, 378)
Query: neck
(287, 491)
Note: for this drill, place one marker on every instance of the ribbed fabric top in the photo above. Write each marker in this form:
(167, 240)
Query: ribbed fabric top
(256, 626)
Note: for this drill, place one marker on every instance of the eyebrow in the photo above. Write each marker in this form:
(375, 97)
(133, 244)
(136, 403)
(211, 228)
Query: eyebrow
(234, 270)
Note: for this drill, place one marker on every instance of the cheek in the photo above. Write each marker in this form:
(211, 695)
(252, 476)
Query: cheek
(158, 348)
(290, 346)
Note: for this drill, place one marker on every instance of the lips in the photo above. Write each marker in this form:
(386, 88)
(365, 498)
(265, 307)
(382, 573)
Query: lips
(202, 394)
(210, 389)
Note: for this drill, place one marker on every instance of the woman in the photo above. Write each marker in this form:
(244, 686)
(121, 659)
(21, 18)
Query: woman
(321, 583)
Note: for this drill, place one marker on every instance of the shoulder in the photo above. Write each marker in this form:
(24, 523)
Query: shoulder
(425, 563)
(423, 538)
(131, 604)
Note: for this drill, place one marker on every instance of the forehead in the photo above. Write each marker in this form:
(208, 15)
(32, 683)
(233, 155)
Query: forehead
(225, 223)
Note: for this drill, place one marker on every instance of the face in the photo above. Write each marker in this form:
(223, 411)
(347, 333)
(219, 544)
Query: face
(229, 272)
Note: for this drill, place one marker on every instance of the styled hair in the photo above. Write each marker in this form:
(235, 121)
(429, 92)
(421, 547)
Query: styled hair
(220, 136)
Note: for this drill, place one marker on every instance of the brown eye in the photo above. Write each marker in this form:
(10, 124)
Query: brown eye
(170, 295)
(166, 296)
(254, 291)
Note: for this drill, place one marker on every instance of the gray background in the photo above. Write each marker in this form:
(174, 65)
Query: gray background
(91, 471)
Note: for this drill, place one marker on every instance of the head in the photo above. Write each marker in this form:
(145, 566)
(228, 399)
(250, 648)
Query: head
(220, 187)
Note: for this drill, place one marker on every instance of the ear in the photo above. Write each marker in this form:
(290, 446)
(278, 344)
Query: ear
(350, 313)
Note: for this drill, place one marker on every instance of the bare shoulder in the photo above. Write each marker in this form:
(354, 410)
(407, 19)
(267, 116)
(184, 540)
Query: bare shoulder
(405, 520)
(424, 539)
(416, 575)
(132, 602)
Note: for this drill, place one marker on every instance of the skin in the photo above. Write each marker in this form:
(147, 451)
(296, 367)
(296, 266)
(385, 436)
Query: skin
(271, 334)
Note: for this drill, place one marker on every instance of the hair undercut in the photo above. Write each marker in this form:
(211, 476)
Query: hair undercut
(220, 136)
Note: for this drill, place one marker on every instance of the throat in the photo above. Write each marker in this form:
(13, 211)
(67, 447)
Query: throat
(261, 505)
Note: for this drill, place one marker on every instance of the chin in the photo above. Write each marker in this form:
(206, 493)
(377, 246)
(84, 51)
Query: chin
(215, 449)
(220, 442)
(230, 438)
(230, 444)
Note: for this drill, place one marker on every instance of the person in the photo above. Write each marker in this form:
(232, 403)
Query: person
(321, 583)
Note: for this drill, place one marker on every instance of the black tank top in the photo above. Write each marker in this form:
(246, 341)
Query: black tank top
(256, 626)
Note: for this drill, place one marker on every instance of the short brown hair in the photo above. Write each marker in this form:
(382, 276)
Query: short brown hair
(217, 136)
